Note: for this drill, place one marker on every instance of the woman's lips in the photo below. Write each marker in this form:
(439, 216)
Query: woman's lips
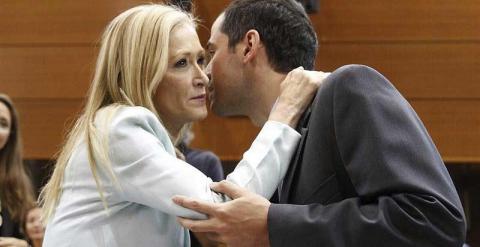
(201, 99)
(201, 96)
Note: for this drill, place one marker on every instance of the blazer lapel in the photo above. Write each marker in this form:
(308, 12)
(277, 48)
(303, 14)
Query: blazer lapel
(302, 128)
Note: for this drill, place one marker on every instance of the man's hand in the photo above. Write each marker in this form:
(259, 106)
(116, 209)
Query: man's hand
(12, 242)
(240, 222)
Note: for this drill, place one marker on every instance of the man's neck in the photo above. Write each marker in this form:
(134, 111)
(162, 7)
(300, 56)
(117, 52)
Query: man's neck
(267, 89)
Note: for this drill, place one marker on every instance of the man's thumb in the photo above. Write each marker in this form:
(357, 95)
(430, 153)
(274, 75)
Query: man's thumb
(231, 190)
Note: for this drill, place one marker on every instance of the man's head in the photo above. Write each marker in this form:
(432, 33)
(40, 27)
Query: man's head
(284, 29)
(278, 29)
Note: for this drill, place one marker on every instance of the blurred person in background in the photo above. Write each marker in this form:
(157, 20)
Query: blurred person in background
(206, 162)
(34, 228)
(16, 192)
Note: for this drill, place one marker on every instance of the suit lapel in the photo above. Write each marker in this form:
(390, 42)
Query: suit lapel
(302, 128)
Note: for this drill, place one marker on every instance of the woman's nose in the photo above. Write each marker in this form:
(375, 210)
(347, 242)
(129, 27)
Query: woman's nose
(201, 80)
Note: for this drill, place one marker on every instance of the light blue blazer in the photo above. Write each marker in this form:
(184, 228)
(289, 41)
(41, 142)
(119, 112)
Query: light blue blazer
(142, 157)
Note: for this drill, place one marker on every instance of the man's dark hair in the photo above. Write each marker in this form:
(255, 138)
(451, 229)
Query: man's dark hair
(284, 28)
(185, 5)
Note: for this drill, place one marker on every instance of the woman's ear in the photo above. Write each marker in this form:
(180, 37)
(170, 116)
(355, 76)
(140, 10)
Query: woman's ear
(252, 44)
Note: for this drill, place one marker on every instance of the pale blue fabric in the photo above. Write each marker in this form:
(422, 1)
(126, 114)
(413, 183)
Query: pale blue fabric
(148, 175)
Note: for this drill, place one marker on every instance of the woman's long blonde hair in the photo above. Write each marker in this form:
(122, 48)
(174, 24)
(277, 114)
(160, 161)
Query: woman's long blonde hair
(132, 61)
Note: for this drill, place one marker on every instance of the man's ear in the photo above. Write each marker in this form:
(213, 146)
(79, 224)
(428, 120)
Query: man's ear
(252, 44)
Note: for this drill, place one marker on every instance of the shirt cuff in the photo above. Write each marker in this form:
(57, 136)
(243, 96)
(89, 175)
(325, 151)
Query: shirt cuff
(264, 165)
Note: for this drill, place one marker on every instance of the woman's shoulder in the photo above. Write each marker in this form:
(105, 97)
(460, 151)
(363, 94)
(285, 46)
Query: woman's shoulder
(132, 113)
(132, 132)
(125, 120)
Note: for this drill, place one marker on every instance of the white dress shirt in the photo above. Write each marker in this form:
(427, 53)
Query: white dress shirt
(148, 174)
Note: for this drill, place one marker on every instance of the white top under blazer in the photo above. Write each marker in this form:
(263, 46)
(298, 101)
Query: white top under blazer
(140, 210)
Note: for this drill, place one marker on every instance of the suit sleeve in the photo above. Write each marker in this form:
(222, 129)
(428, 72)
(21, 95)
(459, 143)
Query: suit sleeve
(405, 194)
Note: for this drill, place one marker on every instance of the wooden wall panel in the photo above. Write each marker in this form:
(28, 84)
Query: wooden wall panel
(434, 70)
(44, 123)
(454, 125)
(428, 49)
(339, 20)
(57, 22)
(397, 21)
(208, 11)
(50, 72)
(46, 72)
(229, 138)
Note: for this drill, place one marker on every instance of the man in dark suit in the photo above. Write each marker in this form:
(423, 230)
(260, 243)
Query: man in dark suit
(366, 172)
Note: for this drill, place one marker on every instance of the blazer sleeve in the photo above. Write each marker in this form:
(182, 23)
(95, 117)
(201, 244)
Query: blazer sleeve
(405, 194)
(148, 172)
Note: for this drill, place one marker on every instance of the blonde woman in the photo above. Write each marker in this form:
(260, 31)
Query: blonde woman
(116, 175)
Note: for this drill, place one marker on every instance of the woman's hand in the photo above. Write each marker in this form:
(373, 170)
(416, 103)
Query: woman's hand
(297, 91)
(12, 242)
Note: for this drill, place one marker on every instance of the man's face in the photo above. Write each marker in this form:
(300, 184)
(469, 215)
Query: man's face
(227, 91)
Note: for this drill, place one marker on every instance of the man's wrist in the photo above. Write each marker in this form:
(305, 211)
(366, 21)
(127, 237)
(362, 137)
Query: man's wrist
(267, 232)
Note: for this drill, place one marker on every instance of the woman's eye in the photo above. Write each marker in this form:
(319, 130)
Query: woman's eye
(4, 125)
(181, 63)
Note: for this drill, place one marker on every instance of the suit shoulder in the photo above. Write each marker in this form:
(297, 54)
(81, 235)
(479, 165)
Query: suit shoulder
(355, 78)
(354, 68)
(355, 73)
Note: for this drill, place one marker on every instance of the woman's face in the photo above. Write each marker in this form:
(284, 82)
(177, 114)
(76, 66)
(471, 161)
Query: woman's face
(5, 124)
(181, 95)
(33, 224)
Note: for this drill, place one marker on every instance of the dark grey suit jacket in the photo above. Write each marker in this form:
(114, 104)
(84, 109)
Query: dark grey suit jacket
(366, 173)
